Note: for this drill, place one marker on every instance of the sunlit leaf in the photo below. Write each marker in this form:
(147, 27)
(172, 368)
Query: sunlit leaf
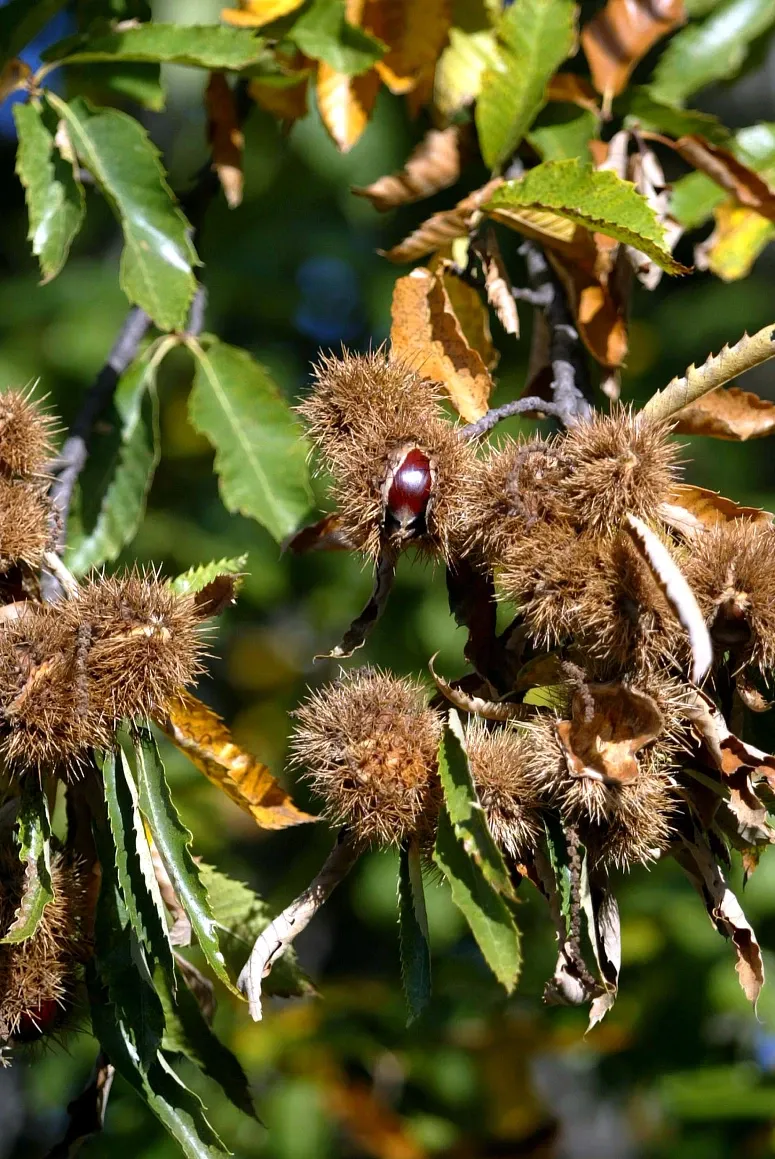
(260, 458)
(33, 833)
(210, 46)
(728, 414)
(158, 258)
(345, 104)
(257, 13)
(711, 51)
(434, 165)
(415, 35)
(173, 841)
(535, 37)
(442, 227)
(55, 202)
(620, 35)
(461, 67)
(593, 198)
(207, 742)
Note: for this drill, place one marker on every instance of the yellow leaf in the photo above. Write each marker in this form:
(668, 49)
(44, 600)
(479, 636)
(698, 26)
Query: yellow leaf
(739, 237)
(461, 67)
(415, 34)
(257, 13)
(285, 97)
(345, 104)
(470, 311)
(207, 742)
(426, 333)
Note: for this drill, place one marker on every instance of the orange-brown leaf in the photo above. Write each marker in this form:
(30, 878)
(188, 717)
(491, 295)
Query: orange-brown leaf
(691, 508)
(601, 323)
(207, 742)
(621, 34)
(434, 165)
(470, 311)
(345, 103)
(324, 535)
(284, 95)
(427, 334)
(415, 34)
(728, 414)
(497, 283)
(604, 746)
(225, 137)
(746, 186)
(257, 13)
(570, 88)
(442, 228)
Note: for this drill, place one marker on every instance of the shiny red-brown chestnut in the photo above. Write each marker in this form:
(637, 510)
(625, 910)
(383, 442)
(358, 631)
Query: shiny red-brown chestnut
(37, 1021)
(409, 491)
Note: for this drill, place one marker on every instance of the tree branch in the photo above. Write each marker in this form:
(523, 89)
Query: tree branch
(517, 407)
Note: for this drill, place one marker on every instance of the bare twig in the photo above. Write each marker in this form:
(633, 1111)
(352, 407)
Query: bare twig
(277, 937)
(517, 407)
(87, 1111)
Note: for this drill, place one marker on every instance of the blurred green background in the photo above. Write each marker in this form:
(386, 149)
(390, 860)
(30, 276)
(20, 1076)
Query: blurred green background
(682, 1066)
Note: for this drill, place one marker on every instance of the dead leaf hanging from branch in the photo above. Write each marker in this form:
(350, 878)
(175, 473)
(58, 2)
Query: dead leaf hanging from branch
(434, 165)
(621, 35)
(728, 414)
(225, 137)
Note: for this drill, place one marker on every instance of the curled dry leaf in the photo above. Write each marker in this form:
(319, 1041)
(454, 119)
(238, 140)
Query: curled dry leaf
(570, 88)
(225, 137)
(415, 35)
(726, 751)
(497, 282)
(324, 535)
(469, 309)
(601, 322)
(257, 13)
(691, 509)
(434, 165)
(621, 35)
(728, 414)
(487, 709)
(746, 186)
(442, 228)
(676, 591)
(207, 742)
(345, 104)
(645, 171)
(605, 934)
(427, 334)
(699, 864)
(602, 739)
(739, 237)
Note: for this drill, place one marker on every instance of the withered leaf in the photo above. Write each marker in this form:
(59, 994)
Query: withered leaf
(204, 738)
(434, 165)
(324, 535)
(746, 186)
(727, 752)
(645, 172)
(570, 88)
(728, 413)
(497, 283)
(443, 227)
(426, 333)
(415, 35)
(216, 596)
(257, 13)
(621, 34)
(603, 743)
(691, 508)
(601, 322)
(699, 864)
(469, 309)
(225, 137)
(345, 104)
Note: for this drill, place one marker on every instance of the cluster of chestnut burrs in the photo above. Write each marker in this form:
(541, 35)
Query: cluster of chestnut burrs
(601, 710)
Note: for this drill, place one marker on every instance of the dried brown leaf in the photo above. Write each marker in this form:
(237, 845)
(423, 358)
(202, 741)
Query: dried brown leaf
(497, 283)
(345, 104)
(691, 509)
(426, 333)
(469, 309)
(602, 738)
(324, 535)
(570, 88)
(415, 35)
(601, 323)
(225, 137)
(728, 414)
(433, 165)
(207, 742)
(442, 228)
(621, 35)
(745, 185)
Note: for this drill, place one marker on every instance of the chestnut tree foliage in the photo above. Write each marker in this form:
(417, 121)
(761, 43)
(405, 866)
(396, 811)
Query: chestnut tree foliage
(620, 622)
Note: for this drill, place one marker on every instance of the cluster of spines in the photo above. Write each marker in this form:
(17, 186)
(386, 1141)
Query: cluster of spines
(26, 434)
(396, 460)
(123, 646)
(39, 976)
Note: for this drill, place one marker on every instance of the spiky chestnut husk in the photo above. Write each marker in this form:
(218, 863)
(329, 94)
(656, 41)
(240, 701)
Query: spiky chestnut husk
(25, 526)
(622, 821)
(142, 642)
(507, 493)
(38, 976)
(731, 570)
(498, 758)
(48, 716)
(376, 424)
(369, 744)
(615, 464)
(25, 434)
(596, 591)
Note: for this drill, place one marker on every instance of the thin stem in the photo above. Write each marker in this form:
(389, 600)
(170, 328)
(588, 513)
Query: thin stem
(518, 406)
(279, 935)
